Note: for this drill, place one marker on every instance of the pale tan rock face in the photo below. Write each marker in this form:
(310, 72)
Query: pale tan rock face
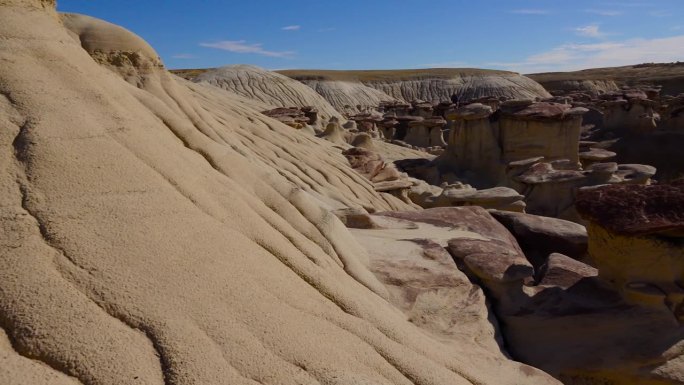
(631, 116)
(473, 143)
(639, 265)
(163, 232)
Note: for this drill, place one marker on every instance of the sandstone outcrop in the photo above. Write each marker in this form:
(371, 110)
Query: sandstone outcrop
(550, 130)
(482, 144)
(631, 112)
(167, 232)
(294, 117)
(408, 255)
(540, 236)
(565, 319)
(636, 237)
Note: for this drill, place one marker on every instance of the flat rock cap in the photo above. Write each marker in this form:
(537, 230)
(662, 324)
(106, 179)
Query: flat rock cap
(629, 209)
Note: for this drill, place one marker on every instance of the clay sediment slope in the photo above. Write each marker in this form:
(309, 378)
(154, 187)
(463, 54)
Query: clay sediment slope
(668, 75)
(436, 84)
(271, 88)
(154, 231)
(348, 97)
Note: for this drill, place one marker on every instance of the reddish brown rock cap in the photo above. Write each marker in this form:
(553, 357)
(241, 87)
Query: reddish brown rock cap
(635, 209)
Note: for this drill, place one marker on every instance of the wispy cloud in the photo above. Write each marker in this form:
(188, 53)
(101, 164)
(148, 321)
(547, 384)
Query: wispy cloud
(184, 56)
(241, 46)
(571, 57)
(589, 31)
(292, 28)
(604, 12)
(660, 13)
(531, 11)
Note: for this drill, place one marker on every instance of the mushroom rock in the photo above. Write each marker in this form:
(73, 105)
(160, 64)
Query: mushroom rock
(550, 187)
(421, 108)
(402, 127)
(312, 113)
(441, 108)
(502, 198)
(550, 130)
(594, 155)
(473, 144)
(367, 122)
(292, 116)
(490, 101)
(426, 132)
(396, 107)
(636, 235)
(388, 127)
(636, 173)
(673, 115)
(593, 117)
(630, 112)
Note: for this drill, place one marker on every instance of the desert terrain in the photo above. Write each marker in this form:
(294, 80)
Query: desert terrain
(235, 225)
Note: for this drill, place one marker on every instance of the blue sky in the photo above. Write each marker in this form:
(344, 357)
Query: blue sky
(520, 35)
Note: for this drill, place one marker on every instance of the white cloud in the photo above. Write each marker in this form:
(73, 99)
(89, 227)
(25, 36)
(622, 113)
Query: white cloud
(241, 46)
(603, 12)
(589, 31)
(530, 11)
(184, 56)
(292, 28)
(570, 57)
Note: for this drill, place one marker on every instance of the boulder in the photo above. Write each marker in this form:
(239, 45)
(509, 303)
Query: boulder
(409, 256)
(541, 236)
(562, 271)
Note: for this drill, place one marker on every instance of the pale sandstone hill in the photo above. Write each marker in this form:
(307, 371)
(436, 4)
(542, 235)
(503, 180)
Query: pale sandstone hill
(349, 97)
(158, 232)
(270, 88)
(669, 76)
(433, 85)
(592, 87)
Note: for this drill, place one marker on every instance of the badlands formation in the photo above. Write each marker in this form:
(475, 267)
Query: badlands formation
(248, 227)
